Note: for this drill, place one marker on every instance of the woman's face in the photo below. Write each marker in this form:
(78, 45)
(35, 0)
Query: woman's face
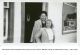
(43, 17)
(48, 24)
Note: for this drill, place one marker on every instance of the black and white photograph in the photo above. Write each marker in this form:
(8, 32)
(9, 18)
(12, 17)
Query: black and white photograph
(40, 22)
(39, 27)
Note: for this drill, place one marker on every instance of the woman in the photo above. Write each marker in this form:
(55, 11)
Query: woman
(47, 34)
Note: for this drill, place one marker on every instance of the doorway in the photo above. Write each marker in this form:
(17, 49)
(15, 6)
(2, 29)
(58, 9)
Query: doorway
(32, 13)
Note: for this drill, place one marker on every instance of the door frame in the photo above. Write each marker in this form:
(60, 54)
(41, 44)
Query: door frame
(44, 8)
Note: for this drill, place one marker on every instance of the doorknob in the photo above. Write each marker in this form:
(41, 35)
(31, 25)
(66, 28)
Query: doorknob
(28, 18)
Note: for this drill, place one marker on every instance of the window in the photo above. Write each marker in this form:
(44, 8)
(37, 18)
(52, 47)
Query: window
(69, 18)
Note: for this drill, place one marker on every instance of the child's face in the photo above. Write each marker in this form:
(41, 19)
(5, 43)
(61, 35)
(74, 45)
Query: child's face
(48, 24)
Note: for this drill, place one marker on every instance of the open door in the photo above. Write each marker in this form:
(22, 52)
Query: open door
(32, 13)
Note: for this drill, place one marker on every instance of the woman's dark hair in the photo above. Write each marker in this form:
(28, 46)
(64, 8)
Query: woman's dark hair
(51, 23)
(44, 12)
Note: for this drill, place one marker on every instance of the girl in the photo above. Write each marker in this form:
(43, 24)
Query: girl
(47, 33)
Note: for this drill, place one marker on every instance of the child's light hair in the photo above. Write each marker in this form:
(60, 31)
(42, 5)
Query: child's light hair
(51, 22)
